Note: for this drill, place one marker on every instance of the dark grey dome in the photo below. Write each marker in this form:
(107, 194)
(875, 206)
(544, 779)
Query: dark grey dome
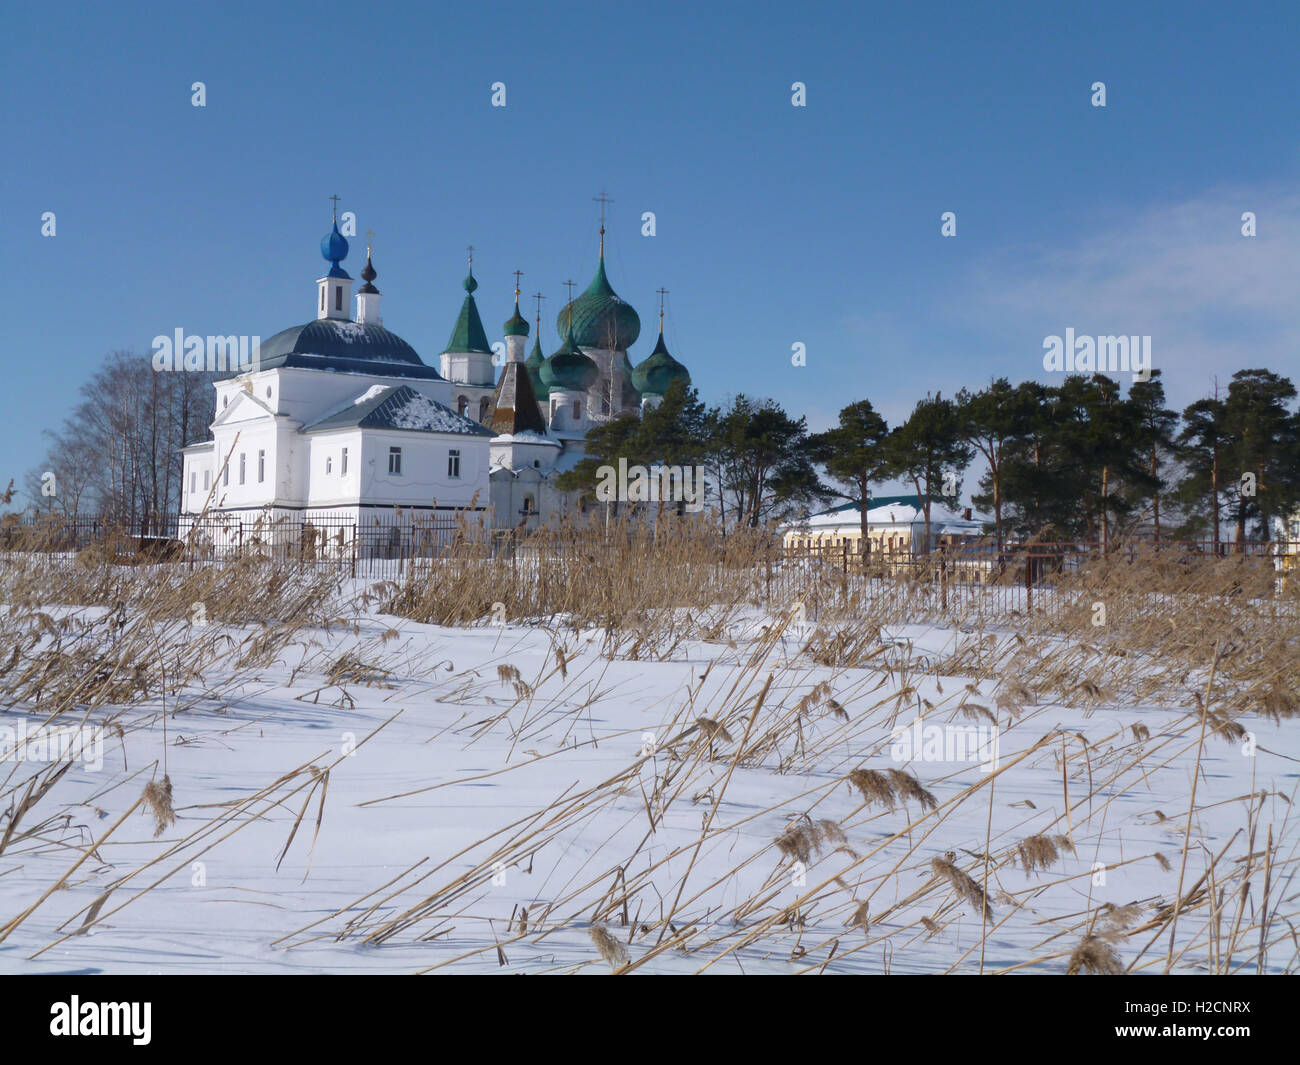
(344, 346)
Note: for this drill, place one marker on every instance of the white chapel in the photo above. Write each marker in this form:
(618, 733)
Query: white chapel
(340, 421)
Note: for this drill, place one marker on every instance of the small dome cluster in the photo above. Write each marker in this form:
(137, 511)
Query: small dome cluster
(599, 319)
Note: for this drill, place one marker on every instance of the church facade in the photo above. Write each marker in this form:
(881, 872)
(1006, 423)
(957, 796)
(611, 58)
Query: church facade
(340, 420)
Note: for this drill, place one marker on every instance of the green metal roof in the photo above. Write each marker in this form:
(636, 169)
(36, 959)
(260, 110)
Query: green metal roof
(569, 369)
(600, 318)
(468, 334)
(533, 365)
(653, 376)
(516, 324)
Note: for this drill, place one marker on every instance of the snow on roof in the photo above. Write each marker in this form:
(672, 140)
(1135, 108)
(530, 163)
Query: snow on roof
(399, 407)
(942, 519)
(526, 436)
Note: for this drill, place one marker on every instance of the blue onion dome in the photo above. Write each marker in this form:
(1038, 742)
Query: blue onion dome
(334, 249)
(533, 364)
(516, 325)
(600, 318)
(653, 376)
(569, 370)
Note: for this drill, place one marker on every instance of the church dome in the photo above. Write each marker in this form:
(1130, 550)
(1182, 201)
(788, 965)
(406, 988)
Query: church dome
(344, 346)
(533, 364)
(653, 376)
(516, 325)
(569, 369)
(600, 318)
(334, 249)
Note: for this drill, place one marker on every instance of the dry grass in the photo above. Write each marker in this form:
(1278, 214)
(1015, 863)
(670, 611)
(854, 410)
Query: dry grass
(808, 696)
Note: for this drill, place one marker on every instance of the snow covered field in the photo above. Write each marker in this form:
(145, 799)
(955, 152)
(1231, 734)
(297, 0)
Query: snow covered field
(391, 796)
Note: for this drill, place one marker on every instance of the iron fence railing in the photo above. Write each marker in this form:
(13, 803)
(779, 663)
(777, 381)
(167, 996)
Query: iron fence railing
(962, 577)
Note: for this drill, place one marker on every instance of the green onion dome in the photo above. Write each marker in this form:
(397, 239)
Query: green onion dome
(569, 370)
(533, 364)
(653, 376)
(516, 324)
(599, 318)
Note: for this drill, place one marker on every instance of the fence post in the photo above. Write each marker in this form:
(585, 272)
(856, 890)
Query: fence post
(1029, 583)
(943, 580)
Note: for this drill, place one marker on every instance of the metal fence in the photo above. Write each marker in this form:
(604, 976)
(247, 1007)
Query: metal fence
(975, 578)
(980, 579)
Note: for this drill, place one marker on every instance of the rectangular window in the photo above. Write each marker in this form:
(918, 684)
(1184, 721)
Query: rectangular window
(329, 464)
(207, 480)
(225, 474)
(194, 482)
(261, 466)
(453, 463)
(343, 465)
(577, 410)
(322, 297)
(241, 467)
(395, 460)
(338, 297)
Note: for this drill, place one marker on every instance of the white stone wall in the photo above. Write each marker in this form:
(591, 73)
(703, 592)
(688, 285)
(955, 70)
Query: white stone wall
(424, 480)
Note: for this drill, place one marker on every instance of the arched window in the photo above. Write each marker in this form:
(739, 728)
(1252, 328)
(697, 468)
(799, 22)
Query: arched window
(530, 506)
(462, 405)
(577, 409)
(484, 405)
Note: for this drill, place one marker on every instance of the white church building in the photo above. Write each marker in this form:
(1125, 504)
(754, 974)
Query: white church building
(340, 422)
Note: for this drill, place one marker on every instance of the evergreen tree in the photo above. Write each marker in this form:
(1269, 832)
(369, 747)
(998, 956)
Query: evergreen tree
(994, 420)
(854, 454)
(930, 444)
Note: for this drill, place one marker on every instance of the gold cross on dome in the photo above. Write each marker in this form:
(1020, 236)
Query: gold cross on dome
(336, 207)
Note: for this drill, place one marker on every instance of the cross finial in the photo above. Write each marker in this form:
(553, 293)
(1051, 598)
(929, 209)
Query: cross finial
(602, 199)
(336, 208)
(569, 307)
(662, 293)
(470, 249)
(518, 275)
(539, 297)
(370, 240)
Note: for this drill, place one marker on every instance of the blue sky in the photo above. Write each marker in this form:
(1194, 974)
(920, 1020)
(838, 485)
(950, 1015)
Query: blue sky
(775, 224)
